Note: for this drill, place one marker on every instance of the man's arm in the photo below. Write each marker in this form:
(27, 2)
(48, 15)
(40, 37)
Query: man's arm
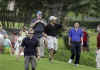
(44, 22)
(34, 23)
(38, 53)
(69, 41)
(44, 34)
(82, 38)
(81, 41)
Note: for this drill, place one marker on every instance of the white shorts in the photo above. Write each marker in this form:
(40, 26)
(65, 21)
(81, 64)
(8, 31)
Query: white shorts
(52, 43)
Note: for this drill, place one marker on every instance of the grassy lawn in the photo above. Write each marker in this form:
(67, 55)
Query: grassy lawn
(87, 60)
(10, 63)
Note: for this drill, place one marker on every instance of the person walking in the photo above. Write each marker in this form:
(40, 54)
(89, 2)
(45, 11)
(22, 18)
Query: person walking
(31, 51)
(75, 41)
(51, 31)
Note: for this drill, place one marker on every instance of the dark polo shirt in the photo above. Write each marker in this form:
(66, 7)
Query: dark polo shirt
(29, 46)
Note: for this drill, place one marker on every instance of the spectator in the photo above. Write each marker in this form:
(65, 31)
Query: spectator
(85, 46)
(30, 45)
(75, 41)
(98, 37)
(38, 25)
(23, 32)
(14, 39)
(2, 34)
(98, 48)
(18, 43)
(7, 45)
(51, 31)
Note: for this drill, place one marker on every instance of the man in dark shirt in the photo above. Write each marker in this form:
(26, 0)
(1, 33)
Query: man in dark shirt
(38, 26)
(29, 45)
(51, 31)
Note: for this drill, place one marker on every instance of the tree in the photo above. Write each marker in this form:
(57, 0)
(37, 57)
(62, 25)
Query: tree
(57, 8)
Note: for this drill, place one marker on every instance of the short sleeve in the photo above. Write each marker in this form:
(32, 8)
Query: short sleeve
(58, 26)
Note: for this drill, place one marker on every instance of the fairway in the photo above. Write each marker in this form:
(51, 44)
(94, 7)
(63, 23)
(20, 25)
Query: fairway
(10, 63)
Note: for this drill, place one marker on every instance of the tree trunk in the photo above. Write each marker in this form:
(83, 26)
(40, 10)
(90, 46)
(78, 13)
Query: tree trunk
(28, 17)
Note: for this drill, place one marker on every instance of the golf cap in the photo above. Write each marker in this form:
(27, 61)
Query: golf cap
(39, 13)
(52, 18)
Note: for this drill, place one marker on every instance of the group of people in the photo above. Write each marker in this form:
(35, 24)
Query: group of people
(32, 41)
(10, 44)
(40, 35)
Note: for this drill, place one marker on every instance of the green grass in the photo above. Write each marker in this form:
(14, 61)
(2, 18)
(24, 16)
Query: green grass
(87, 61)
(10, 63)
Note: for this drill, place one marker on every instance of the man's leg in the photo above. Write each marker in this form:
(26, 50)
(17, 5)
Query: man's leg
(33, 62)
(27, 61)
(72, 53)
(51, 47)
(51, 56)
(78, 52)
(41, 47)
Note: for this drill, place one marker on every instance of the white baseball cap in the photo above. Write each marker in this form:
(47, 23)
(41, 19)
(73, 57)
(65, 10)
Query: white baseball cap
(52, 18)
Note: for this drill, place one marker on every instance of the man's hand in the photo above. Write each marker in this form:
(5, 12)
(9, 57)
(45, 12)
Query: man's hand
(69, 41)
(38, 57)
(44, 34)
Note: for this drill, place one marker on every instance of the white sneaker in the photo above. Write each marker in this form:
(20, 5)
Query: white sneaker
(70, 61)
